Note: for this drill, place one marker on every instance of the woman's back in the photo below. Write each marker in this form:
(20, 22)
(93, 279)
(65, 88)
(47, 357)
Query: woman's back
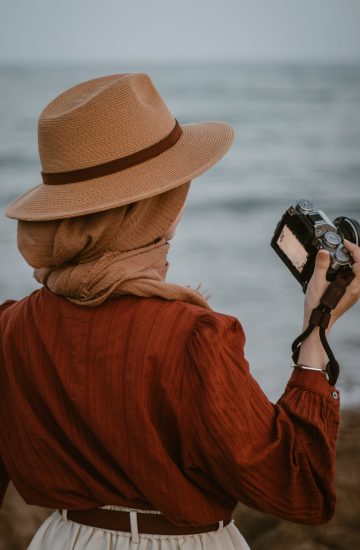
(145, 402)
(97, 397)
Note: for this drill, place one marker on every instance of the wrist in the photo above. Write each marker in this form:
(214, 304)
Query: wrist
(312, 352)
(306, 367)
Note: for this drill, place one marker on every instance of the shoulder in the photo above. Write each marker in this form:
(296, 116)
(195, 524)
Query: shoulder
(174, 317)
(214, 324)
(215, 353)
(11, 310)
(7, 305)
(6, 309)
(202, 329)
(195, 318)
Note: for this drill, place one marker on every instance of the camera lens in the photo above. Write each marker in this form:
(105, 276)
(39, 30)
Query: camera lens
(348, 228)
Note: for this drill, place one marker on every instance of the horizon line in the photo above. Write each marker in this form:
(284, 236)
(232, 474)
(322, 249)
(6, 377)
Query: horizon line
(183, 61)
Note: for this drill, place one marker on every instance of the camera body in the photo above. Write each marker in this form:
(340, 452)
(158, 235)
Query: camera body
(303, 230)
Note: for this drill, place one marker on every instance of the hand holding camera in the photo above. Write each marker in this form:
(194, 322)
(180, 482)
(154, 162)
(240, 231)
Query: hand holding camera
(318, 284)
(324, 257)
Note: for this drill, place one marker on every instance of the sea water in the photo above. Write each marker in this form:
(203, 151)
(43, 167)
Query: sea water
(297, 136)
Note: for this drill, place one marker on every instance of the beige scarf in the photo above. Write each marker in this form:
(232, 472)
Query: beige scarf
(119, 251)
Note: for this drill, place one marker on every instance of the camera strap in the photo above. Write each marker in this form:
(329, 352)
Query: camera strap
(320, 317)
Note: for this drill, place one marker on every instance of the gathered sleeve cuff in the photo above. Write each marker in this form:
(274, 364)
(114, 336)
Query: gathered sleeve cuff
(277, 458)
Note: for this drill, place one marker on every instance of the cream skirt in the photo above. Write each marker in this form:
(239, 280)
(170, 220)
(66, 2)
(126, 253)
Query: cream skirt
(59, 533)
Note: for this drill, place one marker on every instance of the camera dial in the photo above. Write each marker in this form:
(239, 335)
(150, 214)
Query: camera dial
(341, 258)
(305, 206)
(332, 239)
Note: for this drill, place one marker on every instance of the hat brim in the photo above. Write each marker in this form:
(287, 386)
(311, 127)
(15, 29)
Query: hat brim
(201, 146)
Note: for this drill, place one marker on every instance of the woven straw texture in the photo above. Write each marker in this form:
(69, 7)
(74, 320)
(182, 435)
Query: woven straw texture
(104, 119)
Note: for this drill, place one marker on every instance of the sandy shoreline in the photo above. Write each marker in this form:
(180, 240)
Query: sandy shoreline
(19, 521)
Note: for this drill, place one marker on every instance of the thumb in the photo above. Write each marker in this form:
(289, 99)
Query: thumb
(317, 284)
(322, 263)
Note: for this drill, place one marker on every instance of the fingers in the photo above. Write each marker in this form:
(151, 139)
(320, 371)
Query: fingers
(354, 249)
(354, 287)
(355, 252)
(356, 269)
(318, 282)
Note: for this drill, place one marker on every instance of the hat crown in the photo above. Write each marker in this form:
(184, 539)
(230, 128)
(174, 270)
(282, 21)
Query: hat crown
(100, 120)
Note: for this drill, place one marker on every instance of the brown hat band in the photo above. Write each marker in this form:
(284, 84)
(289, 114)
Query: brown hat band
(83, 174)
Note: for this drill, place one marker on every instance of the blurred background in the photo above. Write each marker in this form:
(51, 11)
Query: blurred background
(285, 74)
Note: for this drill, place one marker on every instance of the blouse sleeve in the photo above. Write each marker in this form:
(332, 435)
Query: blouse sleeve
(4, 481)
(277, 458)
(4, 478)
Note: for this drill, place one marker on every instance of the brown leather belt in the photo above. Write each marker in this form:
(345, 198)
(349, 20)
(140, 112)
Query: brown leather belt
(118, 520)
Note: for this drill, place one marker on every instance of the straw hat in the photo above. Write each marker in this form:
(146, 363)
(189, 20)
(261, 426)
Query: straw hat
(111, 141)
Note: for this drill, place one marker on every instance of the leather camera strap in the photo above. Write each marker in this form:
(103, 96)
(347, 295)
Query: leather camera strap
(320, 317)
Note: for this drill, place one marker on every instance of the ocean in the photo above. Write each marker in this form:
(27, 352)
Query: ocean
(297, 136)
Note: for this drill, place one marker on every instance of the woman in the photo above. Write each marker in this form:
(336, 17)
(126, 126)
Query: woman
(133, 412)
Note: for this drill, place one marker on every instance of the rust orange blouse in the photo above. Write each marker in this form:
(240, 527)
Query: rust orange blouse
(148, 403)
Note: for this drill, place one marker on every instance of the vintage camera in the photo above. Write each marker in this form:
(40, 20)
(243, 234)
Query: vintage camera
(302, 231)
